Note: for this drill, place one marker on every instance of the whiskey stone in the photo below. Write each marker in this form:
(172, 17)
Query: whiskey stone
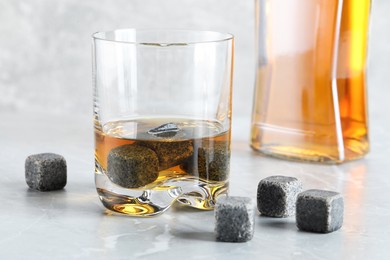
(165, 130)
(45, 171)
(319, 211)
(235, 219)
(276, 196)
(210, 162)
(132, 166)
(169, 153)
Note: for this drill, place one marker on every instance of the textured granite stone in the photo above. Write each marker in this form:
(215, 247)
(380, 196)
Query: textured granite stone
(45, 171)
(235, 218)
(211, 161)
(276, 196)
(170, 154)
(165, 130)
(319, 211)
(132, 166)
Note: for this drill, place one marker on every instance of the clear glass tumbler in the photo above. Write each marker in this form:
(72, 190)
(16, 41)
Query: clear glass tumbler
(162, 114)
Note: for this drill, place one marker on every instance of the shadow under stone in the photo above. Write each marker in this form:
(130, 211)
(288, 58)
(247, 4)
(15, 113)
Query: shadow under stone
(277, 223)
(196, 235)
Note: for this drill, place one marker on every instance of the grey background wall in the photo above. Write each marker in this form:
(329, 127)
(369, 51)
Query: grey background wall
(45, 46)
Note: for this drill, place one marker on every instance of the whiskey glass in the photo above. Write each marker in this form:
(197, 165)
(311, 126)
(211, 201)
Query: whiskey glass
(162, 117)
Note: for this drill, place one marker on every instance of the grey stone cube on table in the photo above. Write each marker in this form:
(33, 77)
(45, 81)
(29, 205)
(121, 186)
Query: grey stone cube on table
(235, 219)
(276, 196)
(319, 211)
(46, 171)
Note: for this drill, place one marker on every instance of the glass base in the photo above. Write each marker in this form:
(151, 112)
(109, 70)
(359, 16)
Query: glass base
(296, 154)
(307, 155)
(154, 199)
(299, 146)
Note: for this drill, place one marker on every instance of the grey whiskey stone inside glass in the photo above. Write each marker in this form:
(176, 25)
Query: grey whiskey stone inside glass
(211, 162)
(235, 219)
(169, 154)
(276, 196)
(165, 130)
(132, 166)
(319, 211)
(46, 171)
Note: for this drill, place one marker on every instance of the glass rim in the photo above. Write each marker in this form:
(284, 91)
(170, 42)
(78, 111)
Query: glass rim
(99, 35)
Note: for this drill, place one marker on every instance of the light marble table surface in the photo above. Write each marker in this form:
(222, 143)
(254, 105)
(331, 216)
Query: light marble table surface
(72, 223)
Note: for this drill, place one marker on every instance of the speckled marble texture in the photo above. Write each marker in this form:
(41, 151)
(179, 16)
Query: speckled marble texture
(73, 223)
(46, 104)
